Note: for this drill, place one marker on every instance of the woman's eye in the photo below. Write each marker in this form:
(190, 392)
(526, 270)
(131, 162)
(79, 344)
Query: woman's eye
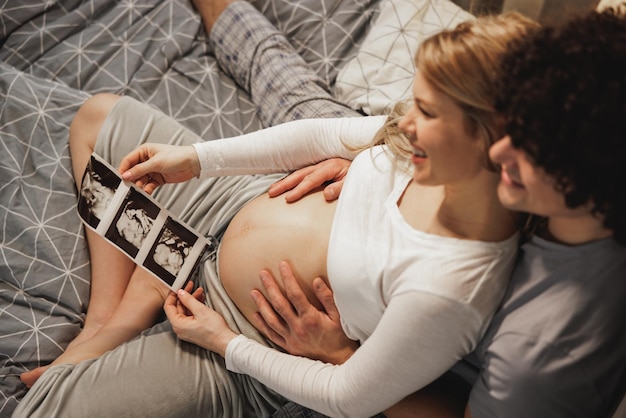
(423, 112)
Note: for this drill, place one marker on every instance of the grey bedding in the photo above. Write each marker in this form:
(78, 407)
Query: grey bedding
(53, 55)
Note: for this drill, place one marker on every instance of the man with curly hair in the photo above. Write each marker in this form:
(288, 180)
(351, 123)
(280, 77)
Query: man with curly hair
(557, 346)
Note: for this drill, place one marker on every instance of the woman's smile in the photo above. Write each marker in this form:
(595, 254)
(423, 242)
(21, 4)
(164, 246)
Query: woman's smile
(419, 156)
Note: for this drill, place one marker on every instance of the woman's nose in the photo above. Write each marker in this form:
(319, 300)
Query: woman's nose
(407, 123)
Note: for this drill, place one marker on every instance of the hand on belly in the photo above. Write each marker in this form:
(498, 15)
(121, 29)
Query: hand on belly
(267, 231)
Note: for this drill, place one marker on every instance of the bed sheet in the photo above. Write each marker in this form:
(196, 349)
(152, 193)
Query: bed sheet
(53, 55)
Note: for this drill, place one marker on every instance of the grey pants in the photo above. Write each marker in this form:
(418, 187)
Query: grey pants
(156, 374)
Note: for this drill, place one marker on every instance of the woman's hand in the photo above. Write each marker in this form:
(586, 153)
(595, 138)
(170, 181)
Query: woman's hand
(152, 165)
(302, 181)
(194, 322)
(296, 325)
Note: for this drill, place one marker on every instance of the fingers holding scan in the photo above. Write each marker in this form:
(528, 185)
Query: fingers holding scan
(183, 311)
(152, 165)
(194, 322)
(198, 294)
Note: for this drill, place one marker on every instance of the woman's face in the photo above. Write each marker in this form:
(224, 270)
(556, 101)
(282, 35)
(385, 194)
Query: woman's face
(444, 153)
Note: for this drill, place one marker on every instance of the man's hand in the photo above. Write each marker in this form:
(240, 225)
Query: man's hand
(152, 165)
(307, 179)
(296, 325)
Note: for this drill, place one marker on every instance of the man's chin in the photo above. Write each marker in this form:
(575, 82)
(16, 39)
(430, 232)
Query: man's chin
(511, 198)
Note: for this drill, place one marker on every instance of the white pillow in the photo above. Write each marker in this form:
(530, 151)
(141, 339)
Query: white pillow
(382, 72)
(605, 4)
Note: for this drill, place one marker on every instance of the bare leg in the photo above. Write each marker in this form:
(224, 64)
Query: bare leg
(124, 299)
(110, 270)
(137, 311)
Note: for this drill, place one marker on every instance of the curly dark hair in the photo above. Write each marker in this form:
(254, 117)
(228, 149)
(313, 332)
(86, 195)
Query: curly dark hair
(563, 95)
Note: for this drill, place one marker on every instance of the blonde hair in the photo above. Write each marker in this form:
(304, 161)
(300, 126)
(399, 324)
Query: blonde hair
(464, 64)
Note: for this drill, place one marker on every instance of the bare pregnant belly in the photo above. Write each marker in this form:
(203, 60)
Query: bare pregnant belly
(267, 231)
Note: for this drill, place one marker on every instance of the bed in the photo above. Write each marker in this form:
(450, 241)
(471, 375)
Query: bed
(54, 54)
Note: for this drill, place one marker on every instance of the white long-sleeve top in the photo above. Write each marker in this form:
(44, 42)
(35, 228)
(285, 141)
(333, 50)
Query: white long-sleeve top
(286, 147)
(417, 302)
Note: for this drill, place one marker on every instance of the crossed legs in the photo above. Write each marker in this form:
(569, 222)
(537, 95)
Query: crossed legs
(124, 299)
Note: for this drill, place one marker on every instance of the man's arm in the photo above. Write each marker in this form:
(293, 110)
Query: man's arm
(446, 397)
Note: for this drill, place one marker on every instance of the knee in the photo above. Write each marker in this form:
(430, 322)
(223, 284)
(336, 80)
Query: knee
(90, 117)
(149, 286)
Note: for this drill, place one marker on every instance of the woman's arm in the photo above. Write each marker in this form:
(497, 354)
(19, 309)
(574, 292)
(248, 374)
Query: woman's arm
(419, 337)
(286, 147)
(292, 322)
(280, 148)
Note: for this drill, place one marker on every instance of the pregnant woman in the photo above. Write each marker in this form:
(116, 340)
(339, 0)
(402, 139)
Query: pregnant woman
(417, 250)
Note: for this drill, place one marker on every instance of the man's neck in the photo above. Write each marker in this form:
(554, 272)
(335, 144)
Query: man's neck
(576, 230)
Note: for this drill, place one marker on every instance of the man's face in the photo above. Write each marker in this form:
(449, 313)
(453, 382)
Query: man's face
(525, 187)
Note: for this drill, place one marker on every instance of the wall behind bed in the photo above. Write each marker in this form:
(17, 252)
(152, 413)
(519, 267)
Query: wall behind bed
(543, 10)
